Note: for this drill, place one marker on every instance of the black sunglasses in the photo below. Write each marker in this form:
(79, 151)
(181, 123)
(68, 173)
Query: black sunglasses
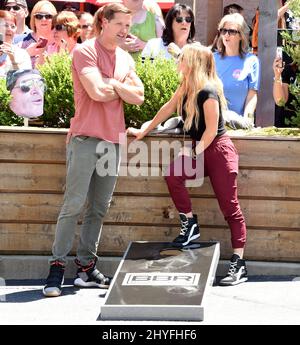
(60, 27)
(86, 26)
(230, 32)
(40, 16)
(181, 19)
(15, 8)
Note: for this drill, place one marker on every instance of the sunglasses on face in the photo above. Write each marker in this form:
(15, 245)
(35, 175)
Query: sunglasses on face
(86, 26)
(181, 19)
(230, 32)
(27, 85)
(15, 8)
(60, 27)
(40, 16)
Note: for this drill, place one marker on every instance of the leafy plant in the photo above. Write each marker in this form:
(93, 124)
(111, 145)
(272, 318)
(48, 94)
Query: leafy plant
(294, 6)
(293, 50)
(59, 101)
(160, 79)
(7, 116)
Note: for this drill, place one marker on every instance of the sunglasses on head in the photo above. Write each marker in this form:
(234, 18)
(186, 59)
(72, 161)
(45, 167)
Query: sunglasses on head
(181, 19)
(40, 16)
(60, 27)
(15, 8)
(230, 32)
(27, 85)
(86, 26)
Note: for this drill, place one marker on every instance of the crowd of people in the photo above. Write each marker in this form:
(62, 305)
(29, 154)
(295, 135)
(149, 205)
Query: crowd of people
(219, 86)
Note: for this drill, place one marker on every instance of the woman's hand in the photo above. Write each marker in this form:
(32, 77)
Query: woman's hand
(7, 48)
(278, 67)
(32, 49)
(133, 44)
(138, 133)
(185, 151)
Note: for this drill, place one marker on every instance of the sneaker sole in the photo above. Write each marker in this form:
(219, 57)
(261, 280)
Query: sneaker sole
(80, 283)
(51, 293)
(242, 280)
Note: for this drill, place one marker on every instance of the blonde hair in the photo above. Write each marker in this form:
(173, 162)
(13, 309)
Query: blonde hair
(37, 8)
(70, 21)
(201, 72)
(107, 12)
(242, 28)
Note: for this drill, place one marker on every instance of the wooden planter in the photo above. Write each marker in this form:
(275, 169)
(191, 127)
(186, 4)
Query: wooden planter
(32, 178)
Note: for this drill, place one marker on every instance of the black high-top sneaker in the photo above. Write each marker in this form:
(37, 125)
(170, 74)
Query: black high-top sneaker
(89, 276)
(54, 280)
(237, 272)
(189, 230)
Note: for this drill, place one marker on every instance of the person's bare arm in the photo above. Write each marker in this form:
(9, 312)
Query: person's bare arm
(98, 88)
(280, 89)
(280, 92)
(163, 114)
(283, 9)
(131, 90)
(250, 104)
(159, 26)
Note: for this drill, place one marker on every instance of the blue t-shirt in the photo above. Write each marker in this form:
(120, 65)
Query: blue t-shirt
(238, 76)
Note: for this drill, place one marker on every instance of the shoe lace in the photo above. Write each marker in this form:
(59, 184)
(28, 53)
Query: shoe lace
(232, 268)
(184, 227)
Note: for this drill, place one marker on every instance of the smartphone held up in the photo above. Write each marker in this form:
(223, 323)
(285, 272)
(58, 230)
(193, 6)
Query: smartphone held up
(279, 56)
(42, 42)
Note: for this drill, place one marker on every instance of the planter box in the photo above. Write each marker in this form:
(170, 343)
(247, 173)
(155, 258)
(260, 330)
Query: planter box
(32, 178)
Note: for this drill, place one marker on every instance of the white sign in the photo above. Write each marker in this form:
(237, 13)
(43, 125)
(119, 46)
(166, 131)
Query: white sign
(161, 279)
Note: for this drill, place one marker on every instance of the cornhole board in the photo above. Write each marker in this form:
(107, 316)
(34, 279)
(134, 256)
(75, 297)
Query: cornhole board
(159, 281)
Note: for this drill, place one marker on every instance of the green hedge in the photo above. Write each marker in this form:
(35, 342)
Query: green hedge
(160, 79)
(7, 117)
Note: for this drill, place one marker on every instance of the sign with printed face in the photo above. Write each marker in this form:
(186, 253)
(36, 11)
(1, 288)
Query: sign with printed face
(159, 281)
(27, 90)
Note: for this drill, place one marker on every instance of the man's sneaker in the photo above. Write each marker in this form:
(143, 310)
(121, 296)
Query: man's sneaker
(89, 276)
(189, 230)
(54, 280)
(237, 272)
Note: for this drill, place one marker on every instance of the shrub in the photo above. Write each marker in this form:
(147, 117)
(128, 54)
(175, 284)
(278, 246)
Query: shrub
(59, 101)
(292, 48)
(160, 79)
(7, 117)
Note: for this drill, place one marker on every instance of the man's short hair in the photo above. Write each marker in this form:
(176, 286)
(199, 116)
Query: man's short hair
(13, 75)
(22, 3)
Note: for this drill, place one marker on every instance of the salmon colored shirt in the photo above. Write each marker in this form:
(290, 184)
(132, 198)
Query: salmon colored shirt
(103, 120)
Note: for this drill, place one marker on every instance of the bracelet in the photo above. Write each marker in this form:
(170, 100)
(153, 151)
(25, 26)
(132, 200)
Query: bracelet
(277, 80)
(193, 153)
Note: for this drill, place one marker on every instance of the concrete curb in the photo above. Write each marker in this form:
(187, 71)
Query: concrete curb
(37, 267)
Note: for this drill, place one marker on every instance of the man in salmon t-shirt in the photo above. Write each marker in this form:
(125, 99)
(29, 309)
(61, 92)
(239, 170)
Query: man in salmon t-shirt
(103, 77)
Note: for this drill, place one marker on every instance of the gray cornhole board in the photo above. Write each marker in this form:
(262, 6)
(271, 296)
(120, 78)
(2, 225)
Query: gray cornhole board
(157, 281)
